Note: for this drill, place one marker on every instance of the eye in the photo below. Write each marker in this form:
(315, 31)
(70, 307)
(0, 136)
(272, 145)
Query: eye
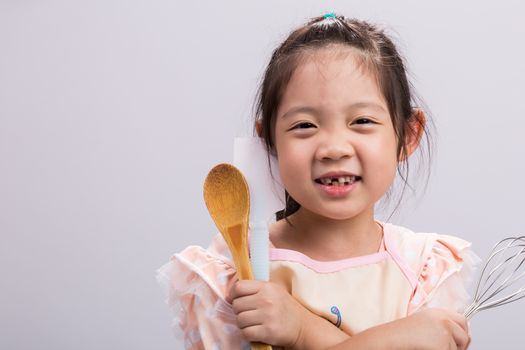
(364, 121)
(305, 125)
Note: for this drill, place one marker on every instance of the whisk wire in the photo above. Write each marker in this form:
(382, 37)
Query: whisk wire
(505, 283)
(508, 259)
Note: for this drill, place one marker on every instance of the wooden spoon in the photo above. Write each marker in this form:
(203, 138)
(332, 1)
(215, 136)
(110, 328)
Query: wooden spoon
(227, 198)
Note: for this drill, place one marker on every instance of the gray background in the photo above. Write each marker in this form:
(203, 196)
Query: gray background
(112, 112)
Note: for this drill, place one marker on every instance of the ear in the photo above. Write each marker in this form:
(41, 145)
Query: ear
(258, 127)
(414, 132)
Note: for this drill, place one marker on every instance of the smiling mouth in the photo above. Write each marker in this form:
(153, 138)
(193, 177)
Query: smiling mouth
(338, 181)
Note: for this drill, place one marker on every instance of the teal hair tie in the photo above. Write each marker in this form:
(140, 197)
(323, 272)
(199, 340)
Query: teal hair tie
(329, 15)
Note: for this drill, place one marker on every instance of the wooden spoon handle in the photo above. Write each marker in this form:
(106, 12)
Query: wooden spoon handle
(260, 346)
(239, 250)
(237, 242)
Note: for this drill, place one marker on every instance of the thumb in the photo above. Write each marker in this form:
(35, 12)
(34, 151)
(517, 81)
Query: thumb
(229, 295)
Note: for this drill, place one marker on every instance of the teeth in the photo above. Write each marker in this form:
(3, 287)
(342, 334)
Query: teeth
(339, 181)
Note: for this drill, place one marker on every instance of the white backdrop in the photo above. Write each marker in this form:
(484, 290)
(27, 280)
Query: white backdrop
(112, 113)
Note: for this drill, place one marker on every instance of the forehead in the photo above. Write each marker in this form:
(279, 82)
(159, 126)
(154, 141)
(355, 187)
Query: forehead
(332, 75)
(332, 52)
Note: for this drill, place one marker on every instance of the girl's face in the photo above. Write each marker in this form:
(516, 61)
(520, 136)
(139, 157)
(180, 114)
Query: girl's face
(333, 117)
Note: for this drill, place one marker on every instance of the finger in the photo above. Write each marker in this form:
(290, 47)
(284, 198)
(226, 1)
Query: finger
(242, 288)
(460, 320)
(254, 333)
(249, 318)
(469, 335)
(242, 304)
(468, 343)
(460, 336)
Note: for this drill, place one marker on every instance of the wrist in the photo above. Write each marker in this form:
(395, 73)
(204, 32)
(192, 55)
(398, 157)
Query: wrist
(317, 333)
(304, 330)
(302, 340)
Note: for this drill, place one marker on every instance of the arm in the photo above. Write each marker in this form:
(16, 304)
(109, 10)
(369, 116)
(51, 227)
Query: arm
(430, 329)
(266, 313)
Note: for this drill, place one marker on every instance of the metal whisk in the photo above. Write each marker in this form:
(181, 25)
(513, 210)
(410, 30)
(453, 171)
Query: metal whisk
(503, 269)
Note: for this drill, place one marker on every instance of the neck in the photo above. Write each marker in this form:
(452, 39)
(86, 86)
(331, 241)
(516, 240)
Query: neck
(335, 239)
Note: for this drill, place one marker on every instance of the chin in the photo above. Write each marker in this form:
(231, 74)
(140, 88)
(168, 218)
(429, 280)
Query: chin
(341, 217)
(339, 214)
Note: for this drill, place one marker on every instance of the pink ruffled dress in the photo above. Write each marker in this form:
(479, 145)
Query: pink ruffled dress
(411, 271)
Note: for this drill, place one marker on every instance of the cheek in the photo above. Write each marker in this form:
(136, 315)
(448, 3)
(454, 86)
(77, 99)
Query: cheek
(390, 164)
(293, 163)
(289, 161)
(384, 159)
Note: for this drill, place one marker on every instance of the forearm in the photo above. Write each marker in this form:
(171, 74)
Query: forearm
(318, 333)
(380, 337)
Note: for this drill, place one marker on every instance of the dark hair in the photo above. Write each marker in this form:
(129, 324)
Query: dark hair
(379, 55)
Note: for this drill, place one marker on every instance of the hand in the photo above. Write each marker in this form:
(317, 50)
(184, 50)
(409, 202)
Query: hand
(266, 313)
(435, 329)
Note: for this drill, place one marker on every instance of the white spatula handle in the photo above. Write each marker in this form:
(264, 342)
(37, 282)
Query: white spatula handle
(259, 252)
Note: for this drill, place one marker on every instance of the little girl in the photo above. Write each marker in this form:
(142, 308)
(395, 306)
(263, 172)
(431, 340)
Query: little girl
(336, 110)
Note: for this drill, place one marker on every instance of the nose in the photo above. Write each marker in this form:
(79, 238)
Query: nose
(335, 147)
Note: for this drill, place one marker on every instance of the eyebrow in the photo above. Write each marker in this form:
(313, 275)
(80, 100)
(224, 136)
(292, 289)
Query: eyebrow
(312, 110)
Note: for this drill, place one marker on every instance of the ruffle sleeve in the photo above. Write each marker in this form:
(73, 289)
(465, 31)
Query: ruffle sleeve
(195, 283)
(446, 272)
